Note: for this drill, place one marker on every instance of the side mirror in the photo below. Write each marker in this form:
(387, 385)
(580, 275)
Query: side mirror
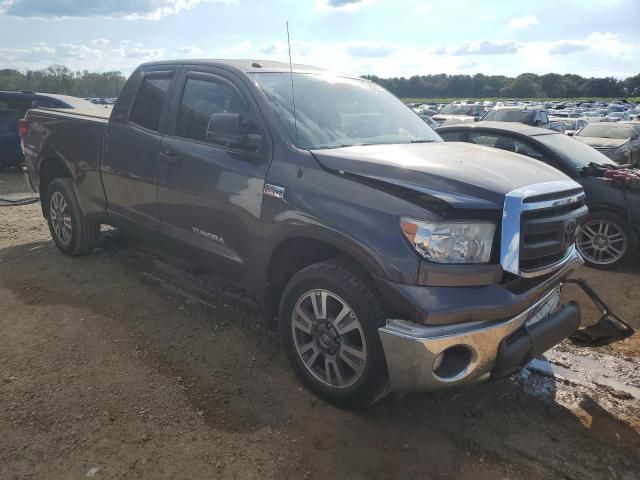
(225, 128)
(635, 135)
(571, 134)
(230, 129)
(537, 123)
(476, 119)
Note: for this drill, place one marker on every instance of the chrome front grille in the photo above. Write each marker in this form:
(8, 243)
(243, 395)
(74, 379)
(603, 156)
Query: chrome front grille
(539, 226)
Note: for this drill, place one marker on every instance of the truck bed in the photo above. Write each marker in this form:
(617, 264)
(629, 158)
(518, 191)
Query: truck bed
(99, 113)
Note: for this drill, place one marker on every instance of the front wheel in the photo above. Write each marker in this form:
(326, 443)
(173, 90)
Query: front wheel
(329, 320)
(606, 240)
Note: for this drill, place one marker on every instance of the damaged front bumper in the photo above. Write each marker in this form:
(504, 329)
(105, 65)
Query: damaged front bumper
(430, 358)
(421, 357)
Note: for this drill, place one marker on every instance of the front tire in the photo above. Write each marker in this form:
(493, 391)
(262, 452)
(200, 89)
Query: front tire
(329, 320)
(606, 240)
(70, 230)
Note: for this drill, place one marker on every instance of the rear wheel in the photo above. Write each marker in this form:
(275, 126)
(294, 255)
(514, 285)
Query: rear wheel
(606, 240)
(71, 231)
(329, 321)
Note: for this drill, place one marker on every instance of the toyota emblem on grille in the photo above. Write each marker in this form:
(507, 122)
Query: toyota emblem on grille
(570, 232)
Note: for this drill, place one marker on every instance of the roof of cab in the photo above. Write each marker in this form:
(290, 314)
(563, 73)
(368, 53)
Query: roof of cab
(246, 65)
(505, 126)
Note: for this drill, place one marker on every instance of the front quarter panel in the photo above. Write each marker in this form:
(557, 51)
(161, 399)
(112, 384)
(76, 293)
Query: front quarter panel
(361, 221)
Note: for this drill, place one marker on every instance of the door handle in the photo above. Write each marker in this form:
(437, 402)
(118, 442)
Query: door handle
(170, 158)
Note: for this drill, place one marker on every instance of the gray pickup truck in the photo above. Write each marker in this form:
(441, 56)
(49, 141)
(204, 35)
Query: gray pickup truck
(391, 260)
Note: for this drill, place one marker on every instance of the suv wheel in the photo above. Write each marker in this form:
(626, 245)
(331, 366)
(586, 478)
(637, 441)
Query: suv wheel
(329, 321)
(70, 230)
(606, 240)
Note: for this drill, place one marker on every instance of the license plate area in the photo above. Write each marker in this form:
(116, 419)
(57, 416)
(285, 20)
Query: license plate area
(548, 307)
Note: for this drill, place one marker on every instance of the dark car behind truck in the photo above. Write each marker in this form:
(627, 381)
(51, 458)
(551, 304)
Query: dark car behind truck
(391, 259)
(13, 106)
(609, 236)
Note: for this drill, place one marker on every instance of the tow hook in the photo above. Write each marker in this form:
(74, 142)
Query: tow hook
(608, 329)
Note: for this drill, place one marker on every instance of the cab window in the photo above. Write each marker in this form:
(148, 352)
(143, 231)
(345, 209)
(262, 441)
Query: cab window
(149, 101)
(203, 98)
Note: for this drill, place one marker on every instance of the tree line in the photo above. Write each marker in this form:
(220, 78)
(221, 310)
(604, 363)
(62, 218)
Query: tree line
(62, 80)
(526, 85)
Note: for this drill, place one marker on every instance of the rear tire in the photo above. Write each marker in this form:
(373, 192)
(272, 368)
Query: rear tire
(329, 320)
(70, 230)
(606, 240)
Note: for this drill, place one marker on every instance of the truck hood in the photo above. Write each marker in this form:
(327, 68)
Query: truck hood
(462, 175)
(598, 142)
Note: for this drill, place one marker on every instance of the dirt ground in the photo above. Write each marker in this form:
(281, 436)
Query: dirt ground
(125, 364)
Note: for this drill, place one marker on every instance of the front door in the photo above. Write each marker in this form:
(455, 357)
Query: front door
(210, 192)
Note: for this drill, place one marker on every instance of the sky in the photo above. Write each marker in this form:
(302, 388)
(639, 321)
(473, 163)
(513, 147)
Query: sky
(378, 37)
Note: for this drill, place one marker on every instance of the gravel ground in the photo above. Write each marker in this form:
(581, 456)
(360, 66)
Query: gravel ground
(126, 364)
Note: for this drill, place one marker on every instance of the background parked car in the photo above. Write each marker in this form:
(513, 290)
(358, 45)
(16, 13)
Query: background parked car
(460, 112)
(618, 141)
(13, 106)
(571, 125)
(429, 121)
(610, 234)
(536, 117)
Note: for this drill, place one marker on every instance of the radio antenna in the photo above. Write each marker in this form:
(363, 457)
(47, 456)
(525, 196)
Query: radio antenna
(293, 95)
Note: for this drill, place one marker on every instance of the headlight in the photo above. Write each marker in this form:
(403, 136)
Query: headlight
(450, 242)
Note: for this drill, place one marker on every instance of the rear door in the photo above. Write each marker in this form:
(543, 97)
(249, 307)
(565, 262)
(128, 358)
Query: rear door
(130, 150)
(210, 193)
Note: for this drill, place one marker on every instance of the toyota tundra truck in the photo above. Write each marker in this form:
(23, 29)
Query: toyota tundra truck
(390, 260)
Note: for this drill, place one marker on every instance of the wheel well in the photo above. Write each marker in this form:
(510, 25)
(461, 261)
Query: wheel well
(622, 212)
(50, 169)
(294, 254)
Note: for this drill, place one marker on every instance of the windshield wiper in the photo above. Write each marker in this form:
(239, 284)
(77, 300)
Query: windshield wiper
(422, 141)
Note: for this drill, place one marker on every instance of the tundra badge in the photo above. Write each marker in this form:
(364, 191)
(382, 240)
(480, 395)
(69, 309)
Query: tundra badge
(208, 235)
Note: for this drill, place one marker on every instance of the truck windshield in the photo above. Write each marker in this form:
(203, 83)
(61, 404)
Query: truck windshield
(333, 112)
(578, 154)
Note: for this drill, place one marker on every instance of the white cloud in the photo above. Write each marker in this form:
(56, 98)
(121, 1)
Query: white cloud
(520, 23)
(99, 42)
(280, 48)
(612, 44)
(370, 50)
(70, 50)
(468, 65)
(190, 51)
(234, 50)
(349, 6)
(568, 47)
(130, 9)
(136, 50)
(485, 47)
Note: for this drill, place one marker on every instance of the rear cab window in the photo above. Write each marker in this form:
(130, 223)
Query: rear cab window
(149, 101)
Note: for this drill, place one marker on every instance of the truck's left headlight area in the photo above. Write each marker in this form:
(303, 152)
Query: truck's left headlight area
(450, 242)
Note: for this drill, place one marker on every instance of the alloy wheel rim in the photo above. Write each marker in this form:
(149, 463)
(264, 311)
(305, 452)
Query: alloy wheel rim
(329, 339)
(60, 218)
(602, 242)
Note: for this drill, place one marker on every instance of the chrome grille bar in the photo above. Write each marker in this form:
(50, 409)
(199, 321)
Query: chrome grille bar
(515, 205)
